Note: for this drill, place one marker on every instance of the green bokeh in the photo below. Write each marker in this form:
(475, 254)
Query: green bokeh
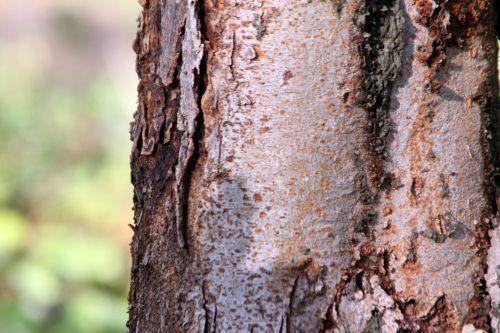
(65, 197)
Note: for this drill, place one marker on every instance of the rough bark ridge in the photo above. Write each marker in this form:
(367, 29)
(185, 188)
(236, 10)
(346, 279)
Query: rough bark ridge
(313, 165)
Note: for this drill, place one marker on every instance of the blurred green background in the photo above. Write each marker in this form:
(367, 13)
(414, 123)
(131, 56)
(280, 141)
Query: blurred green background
(67, 94)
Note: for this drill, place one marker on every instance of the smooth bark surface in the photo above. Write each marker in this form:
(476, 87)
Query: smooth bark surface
(315, 166)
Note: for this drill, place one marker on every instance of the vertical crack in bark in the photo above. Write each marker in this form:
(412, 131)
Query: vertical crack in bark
(291, 304)
(381, 26)
(282, 324)
(329, 322)
(189, 117)
(210, 319)
(214, 326)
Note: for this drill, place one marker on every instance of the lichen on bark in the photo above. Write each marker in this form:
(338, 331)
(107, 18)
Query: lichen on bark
(382, 27)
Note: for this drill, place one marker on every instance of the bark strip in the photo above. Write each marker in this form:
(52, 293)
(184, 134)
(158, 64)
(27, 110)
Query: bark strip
(187, 115)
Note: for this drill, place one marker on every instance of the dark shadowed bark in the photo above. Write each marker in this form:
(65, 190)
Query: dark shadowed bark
(315, 166)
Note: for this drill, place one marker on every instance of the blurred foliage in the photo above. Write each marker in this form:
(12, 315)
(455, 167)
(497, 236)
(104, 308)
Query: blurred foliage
(65, 198)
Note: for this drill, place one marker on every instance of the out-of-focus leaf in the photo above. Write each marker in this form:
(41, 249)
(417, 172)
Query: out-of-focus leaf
(14, 319)
(79, 257)
(37, 287)
(65, 195)
(12, 233)
(93, 311)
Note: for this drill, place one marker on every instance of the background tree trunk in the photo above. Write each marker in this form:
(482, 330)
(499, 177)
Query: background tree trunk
(314, 165)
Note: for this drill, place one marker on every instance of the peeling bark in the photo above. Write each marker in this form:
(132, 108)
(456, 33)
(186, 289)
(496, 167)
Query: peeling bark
(315, 166)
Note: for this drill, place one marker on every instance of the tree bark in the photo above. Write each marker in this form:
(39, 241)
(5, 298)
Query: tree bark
(315, 166)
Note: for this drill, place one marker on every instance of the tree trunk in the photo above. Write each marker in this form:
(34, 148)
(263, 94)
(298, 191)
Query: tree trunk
(315, 166)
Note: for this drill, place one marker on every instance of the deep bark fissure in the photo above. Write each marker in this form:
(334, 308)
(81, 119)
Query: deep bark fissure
(291, 304)
(191, 118)
(200, 87)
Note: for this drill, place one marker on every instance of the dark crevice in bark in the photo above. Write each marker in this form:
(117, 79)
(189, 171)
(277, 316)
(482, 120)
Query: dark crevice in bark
(210, 322)
(208, 327)
(374, 324)
(201, 84)
(496, 17)
(381, 23)
(214, 330)
(282, 324)
(438, 318)
(371, 263)
(183, 190)
(291, 304)
(338, 5)
(200, 79)
(308, 284)
(187, 176)
(173, 103)
(410, 324)
(488, 100)
(329, 322)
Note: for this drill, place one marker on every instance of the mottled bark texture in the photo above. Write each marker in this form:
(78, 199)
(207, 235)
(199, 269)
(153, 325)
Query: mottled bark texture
(315, 166)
